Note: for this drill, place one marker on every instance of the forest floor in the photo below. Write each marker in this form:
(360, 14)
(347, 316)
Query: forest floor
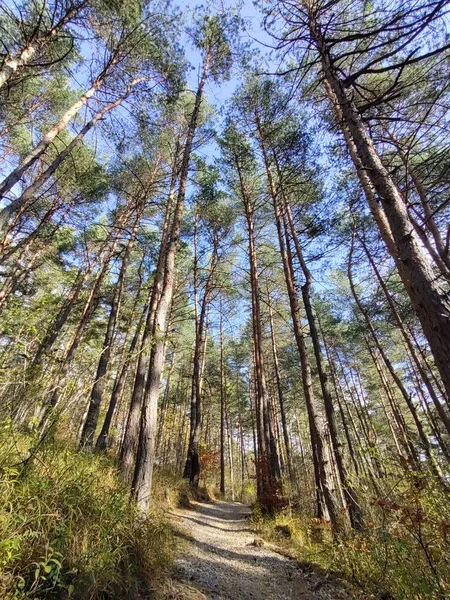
(220, 559)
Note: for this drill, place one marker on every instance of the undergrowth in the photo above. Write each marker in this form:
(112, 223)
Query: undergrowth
(403, 553)
(68, 530)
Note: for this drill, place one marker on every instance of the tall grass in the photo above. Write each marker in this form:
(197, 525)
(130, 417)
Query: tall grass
(68, 530)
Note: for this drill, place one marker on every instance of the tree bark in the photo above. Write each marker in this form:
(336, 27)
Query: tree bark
(165, 401)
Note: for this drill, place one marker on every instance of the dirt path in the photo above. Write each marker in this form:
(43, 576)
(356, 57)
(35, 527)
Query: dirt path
(219, 561)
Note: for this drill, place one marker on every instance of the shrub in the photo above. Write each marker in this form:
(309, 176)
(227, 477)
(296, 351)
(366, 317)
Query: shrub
(404, 550)
(170, 490)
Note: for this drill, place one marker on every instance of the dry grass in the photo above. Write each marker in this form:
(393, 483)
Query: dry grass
(403, 553)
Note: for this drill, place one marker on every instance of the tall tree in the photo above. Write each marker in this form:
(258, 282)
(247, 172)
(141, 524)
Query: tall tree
(345, 62)
(211, 39)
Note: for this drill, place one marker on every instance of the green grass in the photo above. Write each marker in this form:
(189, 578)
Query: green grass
(68, 530)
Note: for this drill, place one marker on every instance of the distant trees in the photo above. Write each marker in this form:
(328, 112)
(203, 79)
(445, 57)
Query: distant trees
(211, 39)
(213, 220)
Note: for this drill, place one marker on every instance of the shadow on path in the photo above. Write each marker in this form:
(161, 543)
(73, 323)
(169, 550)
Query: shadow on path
(219, 560)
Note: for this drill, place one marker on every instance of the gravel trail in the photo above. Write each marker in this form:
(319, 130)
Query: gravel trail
(219, 560)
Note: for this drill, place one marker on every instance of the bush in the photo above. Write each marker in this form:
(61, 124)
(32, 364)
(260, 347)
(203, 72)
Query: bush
(404, 551)
(68, 530)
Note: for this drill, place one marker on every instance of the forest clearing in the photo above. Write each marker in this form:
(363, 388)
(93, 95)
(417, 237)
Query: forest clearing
(224, 300)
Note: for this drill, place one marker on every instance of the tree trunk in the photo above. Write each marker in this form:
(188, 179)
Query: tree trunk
(23, 243)
(281, 402)
(230, 448)
(143, 473)
(103, 255)
(440, 251)
(33, 156)
(350, 496)
(71, 347)
(222, 408)
(119, 383)
(165, 401)
(131, 437)
(90, 424)
(430, 300)
(340, 407)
